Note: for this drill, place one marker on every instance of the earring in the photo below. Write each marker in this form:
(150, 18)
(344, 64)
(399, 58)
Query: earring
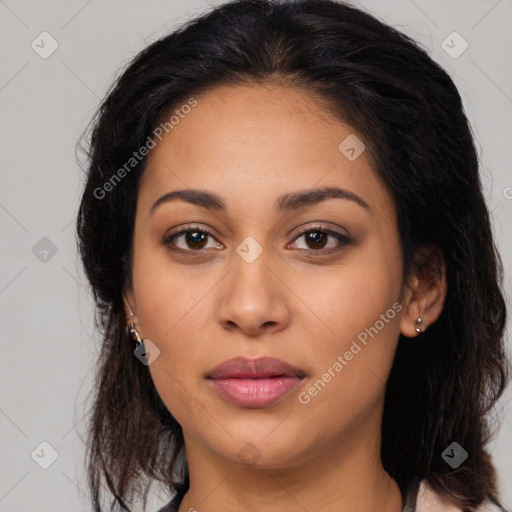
(135, 334)
(418, 322)
(133, 331)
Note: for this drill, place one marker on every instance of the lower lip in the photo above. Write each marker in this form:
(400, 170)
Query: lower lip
(255, 393)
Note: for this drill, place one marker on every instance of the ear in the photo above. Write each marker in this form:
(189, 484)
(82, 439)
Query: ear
(425, 290)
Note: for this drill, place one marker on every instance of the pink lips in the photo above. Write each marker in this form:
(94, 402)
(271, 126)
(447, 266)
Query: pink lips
(255, 383)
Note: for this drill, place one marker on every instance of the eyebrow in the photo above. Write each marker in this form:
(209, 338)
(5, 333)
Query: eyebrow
(285, 203)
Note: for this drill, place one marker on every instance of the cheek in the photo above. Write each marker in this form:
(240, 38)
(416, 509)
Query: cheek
(352, 296)
(174, 325)
(167, 293)
(354, 348)
(172, 302)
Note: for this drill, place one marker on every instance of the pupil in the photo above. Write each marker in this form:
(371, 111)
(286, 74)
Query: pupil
(195, 237)
(316, 238)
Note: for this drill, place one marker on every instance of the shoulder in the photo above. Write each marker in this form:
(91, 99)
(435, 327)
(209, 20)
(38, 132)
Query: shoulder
(430, 501)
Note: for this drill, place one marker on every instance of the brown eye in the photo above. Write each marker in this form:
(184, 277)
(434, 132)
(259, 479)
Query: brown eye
(190, 239)
(195, 239)
(317, 240)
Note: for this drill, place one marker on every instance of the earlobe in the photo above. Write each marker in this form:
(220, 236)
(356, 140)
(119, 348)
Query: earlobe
(411, 317)
(426, 292)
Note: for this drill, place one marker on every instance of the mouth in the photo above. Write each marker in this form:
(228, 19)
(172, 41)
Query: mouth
(255, 383)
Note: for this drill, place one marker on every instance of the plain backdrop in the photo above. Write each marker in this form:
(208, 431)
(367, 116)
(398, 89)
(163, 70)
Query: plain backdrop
(47, 331)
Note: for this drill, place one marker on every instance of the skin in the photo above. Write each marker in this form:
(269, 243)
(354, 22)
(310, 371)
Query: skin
(250, 145)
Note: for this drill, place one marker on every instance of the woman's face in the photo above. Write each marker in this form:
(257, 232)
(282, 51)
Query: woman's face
(327, 303)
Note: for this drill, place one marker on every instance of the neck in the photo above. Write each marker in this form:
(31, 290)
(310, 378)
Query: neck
(343, 476)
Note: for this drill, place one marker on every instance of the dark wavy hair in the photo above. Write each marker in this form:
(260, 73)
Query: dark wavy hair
(444, 384)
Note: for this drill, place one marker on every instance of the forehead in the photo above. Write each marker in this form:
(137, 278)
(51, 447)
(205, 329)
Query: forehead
(253, 143)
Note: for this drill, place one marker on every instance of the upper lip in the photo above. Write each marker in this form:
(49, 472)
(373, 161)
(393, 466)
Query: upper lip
(244, 368)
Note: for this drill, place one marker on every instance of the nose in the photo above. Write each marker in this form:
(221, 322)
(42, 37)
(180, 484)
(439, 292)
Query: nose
(254, 298)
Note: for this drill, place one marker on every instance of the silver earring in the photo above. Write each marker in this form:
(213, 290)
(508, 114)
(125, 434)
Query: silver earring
(133, 331)
(418, 322)
(135, 334)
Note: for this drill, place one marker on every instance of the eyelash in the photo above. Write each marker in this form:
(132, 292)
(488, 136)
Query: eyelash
(343, 239)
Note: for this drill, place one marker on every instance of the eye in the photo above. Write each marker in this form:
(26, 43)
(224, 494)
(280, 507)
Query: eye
(196, 239)
(316, 239)
(193, 238)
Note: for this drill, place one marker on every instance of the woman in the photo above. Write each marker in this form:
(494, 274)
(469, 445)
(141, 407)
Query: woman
(296, 280)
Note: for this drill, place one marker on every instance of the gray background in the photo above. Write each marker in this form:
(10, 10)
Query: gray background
(46, 324)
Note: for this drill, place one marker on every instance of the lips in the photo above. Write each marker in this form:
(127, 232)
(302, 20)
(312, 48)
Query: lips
(255, 383)
(263, 367)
